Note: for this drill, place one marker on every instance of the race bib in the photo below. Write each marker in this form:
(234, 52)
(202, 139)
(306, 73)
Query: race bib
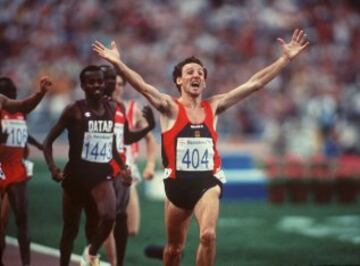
(119, 136)
(97, 147)
(16, 131)
(194, 154)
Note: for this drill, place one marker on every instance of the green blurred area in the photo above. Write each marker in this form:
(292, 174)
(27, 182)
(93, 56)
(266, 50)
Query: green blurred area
(248, 232)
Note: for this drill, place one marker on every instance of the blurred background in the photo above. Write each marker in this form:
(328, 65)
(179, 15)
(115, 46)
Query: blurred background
(309, 115)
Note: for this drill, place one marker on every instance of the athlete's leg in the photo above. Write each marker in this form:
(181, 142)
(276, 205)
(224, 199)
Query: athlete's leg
(206, 212)
(110, 251)
(4, 211)
(4, 215)
(133, 212)
(115, 244)
(166, 205)
(103, 195)
(71, 221)
(17, 194)
(177, 223)
(121, 229)
(121, 236)
(92, 219)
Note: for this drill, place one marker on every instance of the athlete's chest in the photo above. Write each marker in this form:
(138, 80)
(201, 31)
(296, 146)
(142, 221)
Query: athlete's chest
(195, 115)
(97, 138)
(96, 122)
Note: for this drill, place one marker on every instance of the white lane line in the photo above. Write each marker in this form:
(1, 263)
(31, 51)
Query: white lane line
(47, 250)
(340, 227)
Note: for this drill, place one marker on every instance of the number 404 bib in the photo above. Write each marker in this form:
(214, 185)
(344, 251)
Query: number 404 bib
(194, 154)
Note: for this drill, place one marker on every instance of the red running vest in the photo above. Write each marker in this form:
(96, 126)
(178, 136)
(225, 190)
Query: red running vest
(189, 150)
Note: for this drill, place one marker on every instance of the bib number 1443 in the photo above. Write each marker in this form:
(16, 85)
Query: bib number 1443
(97, 147)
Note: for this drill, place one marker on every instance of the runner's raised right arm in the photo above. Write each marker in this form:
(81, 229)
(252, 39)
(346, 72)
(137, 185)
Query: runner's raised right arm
(162, 102)
(28, 104)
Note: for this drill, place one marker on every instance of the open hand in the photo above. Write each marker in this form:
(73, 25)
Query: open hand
(149, 116)
(297, 44)
(112, 55)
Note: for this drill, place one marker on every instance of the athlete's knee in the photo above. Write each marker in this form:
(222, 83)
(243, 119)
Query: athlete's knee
(174, 250)
(107, 217)
(107, 214)
(208, 237)
(107, 222)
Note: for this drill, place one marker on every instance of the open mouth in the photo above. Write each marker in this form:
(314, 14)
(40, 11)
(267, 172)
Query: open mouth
(97, 91)
(195, 83)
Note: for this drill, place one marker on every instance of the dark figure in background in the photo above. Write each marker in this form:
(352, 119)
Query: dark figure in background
(87, 179)
(121, 122)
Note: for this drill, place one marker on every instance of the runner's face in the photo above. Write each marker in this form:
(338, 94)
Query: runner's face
(119, 88)
(94, 85)
(192, 80)
(110, 80)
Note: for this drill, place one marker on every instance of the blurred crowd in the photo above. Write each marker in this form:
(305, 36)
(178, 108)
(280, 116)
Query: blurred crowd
(312, 107)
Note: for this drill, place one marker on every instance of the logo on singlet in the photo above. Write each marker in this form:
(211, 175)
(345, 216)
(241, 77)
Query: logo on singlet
(87, 114)
(197, 134)
(196, 126)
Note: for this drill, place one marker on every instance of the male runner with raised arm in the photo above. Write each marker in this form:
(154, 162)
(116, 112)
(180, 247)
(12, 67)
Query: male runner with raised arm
(13, 185)
(193, 176)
